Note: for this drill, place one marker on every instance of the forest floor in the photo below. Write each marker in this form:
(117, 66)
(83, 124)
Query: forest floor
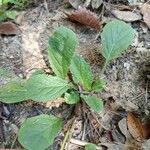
(127, 78)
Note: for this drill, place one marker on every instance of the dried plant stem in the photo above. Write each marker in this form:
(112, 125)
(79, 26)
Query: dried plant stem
(68, 135)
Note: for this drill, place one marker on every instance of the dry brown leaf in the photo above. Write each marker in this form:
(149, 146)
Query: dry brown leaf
(145, 10)
(126, 15)
(146, 130)
(8, 28)
(55, 103)
(85, 17)
(135, 127)
(123, 127)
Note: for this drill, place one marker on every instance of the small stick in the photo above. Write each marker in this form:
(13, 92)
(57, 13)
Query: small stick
(146, 94)
(67, 136)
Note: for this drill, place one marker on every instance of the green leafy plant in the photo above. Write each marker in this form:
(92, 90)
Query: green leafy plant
(20, 4)
(5, 12)
(6, 8)
(90, 147)
(73, 80)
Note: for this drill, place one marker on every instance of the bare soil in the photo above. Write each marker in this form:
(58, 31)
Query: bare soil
(127, 87)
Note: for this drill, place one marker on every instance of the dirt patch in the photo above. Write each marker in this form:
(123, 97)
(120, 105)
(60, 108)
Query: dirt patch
(126, 77)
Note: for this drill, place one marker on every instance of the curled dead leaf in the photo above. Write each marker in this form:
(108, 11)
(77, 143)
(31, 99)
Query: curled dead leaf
(126, 15)
(135, 127)
(8, 28)
(123, 127)
(145, 10)
(85, 17)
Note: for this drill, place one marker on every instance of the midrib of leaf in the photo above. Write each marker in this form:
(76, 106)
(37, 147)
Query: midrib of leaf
(81, 73)
(60, 69)
(63, 56)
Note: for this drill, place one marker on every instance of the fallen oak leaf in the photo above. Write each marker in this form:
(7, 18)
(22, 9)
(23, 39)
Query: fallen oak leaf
(145, 10)
(127, 16)
(85, 17)
(8, 28)
(135, 127)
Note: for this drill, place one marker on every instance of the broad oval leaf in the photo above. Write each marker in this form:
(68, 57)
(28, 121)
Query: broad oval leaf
(39, 87)
(90, 147)
(13, 92)
(61, 50)
(81, 72)
(116, 37)
(72, 97)
(95, 103)
(42, 87)
(38, 133)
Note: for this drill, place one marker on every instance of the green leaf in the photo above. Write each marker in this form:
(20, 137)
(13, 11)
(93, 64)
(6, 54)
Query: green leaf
(13, 92)
(61, 50)
(38, 133)
(72, 97)
(42, 87)
(5, 2)
(116, 38)
(2, 16)
(81, 72)
(11, 14)
(95, 103)
(6, 73)
(39, 87)
(90, 147)
(98, 85)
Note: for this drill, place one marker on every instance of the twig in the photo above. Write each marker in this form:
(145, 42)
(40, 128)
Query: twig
(84, 130)
(146, 93)
(67, 136)
(70, 136)
(14, 141)
(46, 6)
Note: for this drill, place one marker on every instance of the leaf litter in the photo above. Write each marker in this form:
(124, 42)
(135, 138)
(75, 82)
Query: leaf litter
(145, 10)
(8, 28)
(128, 105)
